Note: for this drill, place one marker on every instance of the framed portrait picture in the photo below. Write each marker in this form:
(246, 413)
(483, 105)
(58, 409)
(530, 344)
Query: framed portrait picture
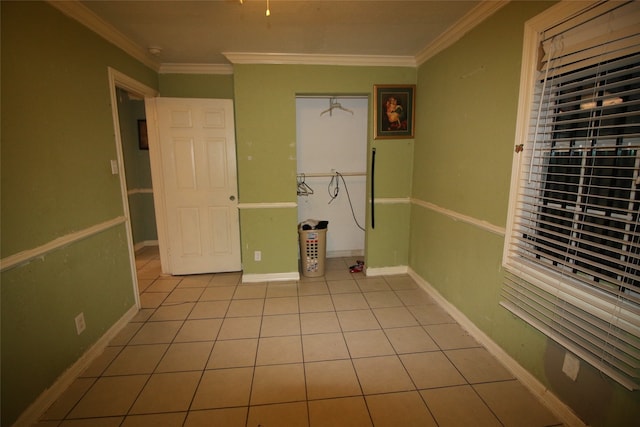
(143, 139)
(394, 111)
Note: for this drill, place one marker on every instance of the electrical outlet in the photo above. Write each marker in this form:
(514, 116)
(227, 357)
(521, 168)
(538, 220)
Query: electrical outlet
(114, 167)
(257, 256)
(80, 324)
(571, 366)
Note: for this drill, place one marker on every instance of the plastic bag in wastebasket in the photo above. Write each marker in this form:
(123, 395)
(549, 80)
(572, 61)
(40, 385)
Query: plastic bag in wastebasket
(313, 224)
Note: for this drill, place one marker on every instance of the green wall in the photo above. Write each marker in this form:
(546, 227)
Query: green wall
(266, 149)
(215, 86)
(467, 102)
(58, 139)
(57, 143)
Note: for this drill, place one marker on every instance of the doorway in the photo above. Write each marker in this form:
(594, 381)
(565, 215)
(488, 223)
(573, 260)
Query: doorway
(137, 167)
(137, 171)
(125, 94)
(332, 162)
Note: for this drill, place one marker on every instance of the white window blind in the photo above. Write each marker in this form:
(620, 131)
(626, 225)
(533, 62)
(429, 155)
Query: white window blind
(573, 250)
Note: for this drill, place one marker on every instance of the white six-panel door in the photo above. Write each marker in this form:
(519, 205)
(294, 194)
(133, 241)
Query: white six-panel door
(198, 184)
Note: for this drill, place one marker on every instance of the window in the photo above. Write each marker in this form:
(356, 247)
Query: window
(572, 252)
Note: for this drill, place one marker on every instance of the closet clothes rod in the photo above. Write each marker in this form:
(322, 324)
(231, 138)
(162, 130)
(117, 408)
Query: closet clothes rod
(331, 174)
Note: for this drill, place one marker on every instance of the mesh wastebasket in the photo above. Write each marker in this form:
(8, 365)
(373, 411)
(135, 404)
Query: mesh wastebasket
(313, 250)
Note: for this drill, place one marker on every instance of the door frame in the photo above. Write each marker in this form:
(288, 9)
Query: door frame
(122, 81)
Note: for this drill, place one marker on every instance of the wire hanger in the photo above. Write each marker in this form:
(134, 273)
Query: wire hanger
(303, 188)
(333, 103)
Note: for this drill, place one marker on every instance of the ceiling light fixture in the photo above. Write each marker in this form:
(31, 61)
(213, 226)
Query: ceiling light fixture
(266, 13)
(155, 50)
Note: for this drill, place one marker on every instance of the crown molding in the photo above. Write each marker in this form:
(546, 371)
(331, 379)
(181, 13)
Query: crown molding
(75, 10)
(454, 33)
(319, 59)
(177, 68)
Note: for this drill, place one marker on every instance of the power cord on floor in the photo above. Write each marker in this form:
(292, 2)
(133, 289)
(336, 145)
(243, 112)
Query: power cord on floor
(336, 191)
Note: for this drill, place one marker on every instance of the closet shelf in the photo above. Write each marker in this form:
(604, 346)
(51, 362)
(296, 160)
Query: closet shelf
(331, 174)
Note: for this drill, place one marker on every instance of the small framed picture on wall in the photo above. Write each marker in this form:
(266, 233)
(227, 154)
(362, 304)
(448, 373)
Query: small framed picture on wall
(143, 139)
(394, 111)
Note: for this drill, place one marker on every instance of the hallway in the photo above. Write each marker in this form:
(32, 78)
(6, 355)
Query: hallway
(339, 350)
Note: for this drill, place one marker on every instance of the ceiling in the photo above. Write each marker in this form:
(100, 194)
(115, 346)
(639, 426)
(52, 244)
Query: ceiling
(211, 32)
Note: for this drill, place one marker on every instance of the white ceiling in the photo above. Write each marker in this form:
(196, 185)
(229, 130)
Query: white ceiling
(201, 32)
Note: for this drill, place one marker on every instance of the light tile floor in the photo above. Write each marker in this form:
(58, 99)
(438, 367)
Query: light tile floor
(340, 350)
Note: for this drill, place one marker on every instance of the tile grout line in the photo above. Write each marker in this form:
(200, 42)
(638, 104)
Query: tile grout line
(204, 368)
(334, 311)
(255, 357)
(304, 362)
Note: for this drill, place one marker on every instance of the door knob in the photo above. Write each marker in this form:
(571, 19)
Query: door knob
(232, 198)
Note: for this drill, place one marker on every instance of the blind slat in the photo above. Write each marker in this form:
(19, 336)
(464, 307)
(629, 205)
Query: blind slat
(607, 31)
(612, 372)
(549, 239)
(557, 318)
(561, 267)
(573, 250)
(580, 19)
(604, 50)
(551, 310)
(578, 78)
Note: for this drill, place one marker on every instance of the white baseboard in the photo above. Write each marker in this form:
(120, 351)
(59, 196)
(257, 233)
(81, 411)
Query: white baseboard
(386, 271)
(270, 277)
(280, 277)
(33, 413)
(547, 398)
(141, 245)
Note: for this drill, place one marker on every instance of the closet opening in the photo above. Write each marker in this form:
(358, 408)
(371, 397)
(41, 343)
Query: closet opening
(331, 138)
